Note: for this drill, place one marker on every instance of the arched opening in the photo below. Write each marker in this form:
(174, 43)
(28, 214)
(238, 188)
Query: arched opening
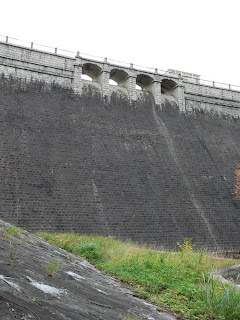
(91, 70)
(138, 87)
(118, 76)
(112, 82)
(86, 77)
(169, 87)
(144, 81)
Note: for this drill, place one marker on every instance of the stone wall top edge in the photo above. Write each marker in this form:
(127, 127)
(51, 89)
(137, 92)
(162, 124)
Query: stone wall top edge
(87, 60)
(209, 86)
(37, 50)
(119, 66)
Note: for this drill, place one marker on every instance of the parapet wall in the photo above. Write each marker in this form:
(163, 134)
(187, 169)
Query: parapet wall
(189, 93)
(29, 64)
(212, 99)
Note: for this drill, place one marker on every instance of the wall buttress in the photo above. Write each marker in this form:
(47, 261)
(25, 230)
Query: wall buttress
(77, 75)
(181, 97)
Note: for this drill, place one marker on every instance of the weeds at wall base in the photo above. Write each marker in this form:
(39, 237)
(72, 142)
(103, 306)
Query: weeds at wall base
(12, 231)
(173, 281)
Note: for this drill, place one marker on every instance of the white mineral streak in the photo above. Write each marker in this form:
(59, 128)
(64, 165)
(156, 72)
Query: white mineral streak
(102, 292)
(46, 288)
(10, 283)
(75, 275)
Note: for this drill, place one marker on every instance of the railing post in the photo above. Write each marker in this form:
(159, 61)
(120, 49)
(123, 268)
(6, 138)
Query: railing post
(6, 39)
(31, 45)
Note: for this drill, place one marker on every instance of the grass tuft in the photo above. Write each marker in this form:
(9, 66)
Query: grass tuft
(12, 231)
(52, 266)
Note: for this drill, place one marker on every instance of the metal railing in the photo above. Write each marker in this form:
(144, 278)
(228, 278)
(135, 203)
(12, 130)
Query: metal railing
(55, 50)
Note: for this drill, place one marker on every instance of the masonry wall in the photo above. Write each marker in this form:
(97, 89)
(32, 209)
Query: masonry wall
(29, 64)
(25, 63)
(75, 163)
(212, 99)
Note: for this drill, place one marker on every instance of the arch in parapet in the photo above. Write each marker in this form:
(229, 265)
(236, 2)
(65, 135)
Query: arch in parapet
(91, 70)
(119, 76)
(169, 87)
(144, 81)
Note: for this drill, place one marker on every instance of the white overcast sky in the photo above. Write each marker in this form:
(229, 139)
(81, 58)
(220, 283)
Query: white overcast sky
(201, 37)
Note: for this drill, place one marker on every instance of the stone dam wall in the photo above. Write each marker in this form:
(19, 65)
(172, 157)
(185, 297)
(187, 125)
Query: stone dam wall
(73, 163)
(142, 171)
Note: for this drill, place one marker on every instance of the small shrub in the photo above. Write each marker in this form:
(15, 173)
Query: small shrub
(186, 245)
(52, 266)
(141, 293)
(89, 250)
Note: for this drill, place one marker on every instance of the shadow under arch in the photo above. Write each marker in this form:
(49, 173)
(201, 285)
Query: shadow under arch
(119, 76)
(144, 81)
(169, 87)
(92, 70)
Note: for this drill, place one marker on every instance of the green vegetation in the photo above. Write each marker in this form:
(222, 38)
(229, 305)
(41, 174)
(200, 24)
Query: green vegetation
(52, 266)
(227, 304)
(12, 231)
(178, 281)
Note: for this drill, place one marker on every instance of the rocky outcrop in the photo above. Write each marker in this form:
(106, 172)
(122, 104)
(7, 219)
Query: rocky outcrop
(41, 281)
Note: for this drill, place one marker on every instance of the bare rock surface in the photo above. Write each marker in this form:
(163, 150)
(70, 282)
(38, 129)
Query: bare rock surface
(229, 274)
(76, 290)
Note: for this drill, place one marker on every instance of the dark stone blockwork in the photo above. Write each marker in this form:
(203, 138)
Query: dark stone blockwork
(71, 163)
